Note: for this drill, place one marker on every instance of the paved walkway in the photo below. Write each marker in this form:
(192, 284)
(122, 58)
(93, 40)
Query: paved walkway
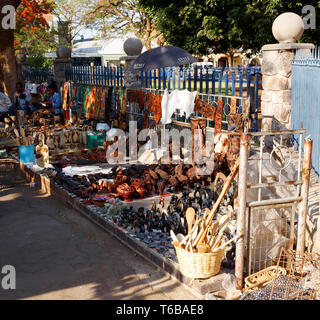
(61, 255)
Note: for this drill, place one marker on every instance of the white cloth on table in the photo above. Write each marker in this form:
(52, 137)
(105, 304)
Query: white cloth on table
(177, 99)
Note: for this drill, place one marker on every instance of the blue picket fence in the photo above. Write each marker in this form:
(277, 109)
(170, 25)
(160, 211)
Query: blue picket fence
(305, 99)
(96, 75)
(242, 82)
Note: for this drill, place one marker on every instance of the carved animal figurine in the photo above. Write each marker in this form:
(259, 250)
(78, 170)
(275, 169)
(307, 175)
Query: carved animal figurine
(42, 153)
(67, 138)
(75, 137)
(56, 141)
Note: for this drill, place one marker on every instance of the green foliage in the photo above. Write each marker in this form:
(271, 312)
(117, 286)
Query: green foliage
(221, 26)
(39, 61)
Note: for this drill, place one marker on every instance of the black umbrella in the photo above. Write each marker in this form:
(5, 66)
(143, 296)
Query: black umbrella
(162, 57)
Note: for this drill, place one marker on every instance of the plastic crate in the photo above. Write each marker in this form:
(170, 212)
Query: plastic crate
(95, 139)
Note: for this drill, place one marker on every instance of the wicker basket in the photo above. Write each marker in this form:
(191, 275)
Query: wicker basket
(199, 265)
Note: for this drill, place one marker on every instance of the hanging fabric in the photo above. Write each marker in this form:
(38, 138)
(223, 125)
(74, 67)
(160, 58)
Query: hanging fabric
(123, 98)
(218, 117)
(65, 95)
(92, 102)
(83, 99)
(109, 100)
(206, 109)
(177, 99)
(72, 100)
(136, 96)
(98, 104)
(150, 98)
(103, 104)
(157, 107)
(87, 102)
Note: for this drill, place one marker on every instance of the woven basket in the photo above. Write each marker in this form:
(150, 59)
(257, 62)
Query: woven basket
(199, 265)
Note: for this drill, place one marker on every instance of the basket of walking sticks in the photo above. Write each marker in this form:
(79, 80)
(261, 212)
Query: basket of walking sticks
(200, 253)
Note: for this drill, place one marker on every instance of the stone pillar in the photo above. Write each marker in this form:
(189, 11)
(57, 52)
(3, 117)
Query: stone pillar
(132, 47)
(61, 64)
(276, 71)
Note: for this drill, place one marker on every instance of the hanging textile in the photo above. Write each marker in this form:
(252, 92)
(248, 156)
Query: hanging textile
(103, 104)
(218, 117)
(150, 97)
(123, 98)
(157, 107)
(204, 108)
(136, 96)
(72, 100)
(93, 102)
(87, 103)
(82, 98)
(98, 104)
(109, 104)
(65, 95)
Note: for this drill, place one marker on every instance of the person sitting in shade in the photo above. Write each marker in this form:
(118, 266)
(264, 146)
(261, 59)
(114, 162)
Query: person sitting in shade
(22, 98)
(6, 108)
(55, 103)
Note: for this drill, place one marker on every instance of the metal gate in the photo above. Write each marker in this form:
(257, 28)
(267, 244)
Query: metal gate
(273, 194)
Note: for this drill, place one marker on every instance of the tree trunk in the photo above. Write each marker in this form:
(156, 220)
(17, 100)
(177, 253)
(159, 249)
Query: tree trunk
(8, 70)
(8, 64)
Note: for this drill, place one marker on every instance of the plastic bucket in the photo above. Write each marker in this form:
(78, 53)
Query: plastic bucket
(26, 154)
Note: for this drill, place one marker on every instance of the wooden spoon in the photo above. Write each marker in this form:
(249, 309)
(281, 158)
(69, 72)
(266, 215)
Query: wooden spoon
(173, 236)
(213, 231)
(203, 248)
(190, 214)
(223, 223)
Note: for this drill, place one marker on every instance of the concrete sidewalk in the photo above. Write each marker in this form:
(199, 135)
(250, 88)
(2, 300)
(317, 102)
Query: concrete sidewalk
(61, 255)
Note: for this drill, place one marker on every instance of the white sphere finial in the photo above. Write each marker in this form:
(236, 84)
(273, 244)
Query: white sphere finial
(132, 46)
(288, 27)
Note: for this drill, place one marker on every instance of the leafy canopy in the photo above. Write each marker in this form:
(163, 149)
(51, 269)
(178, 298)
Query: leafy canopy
(221, 26)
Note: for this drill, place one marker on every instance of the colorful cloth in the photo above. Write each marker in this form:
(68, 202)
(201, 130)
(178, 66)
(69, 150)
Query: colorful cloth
(87, 102)
(123, 100)
(150, 98)
(75, 103)
(92, 102)
(103, 104)
(55, 101)
(98, 104)
(156, 108)
(136, 96)
(65, 96)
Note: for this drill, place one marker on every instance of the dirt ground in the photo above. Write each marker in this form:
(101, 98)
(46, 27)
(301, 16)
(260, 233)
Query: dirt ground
(58, 254)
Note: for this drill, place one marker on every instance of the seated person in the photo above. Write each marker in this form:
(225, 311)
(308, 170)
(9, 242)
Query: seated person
(22, 98)
(5, 105)
(55, 103)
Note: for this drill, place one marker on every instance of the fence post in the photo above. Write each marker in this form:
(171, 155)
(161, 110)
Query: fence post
(303, 205)
(241, 215)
